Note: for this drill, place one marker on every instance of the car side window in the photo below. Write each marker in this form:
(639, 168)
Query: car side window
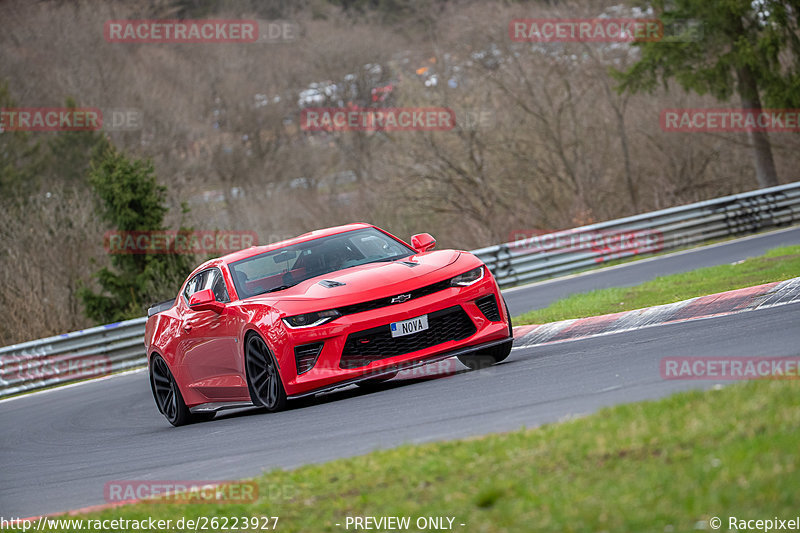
(216, 283)
(193, 285)
(208, 279)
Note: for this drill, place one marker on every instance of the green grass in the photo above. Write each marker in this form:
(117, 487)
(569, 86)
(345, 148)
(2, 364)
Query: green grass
(777, 264)
(653, 466)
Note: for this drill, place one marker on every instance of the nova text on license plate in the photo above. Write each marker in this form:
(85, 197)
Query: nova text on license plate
(407, 327)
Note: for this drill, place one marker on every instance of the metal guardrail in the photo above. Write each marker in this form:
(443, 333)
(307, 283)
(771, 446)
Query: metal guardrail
(537, 257)
(114, 347)
(72, 356)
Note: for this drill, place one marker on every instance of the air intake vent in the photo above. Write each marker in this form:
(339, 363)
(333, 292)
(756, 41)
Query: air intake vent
(488, 306)
(330, 283)
(305, 356)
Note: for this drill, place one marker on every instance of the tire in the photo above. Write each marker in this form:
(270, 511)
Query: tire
(374, 382)
(488, 357)
(493, 355)
(169, 399)
(510, 325)
(263, 376)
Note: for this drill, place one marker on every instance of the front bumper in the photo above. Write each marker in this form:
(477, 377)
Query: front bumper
(397, 367)
(331, 371)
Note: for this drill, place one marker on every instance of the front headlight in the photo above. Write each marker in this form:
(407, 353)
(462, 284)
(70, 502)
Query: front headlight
(468, 278)
(308, 320)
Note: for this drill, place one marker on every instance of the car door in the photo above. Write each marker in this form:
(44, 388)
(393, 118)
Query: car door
(210, 343)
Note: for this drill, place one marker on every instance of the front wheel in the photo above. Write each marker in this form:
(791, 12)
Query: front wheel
(263, 377)
(487, 357)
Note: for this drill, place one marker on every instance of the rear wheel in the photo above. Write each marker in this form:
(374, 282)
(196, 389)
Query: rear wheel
(263, 378)
(168, 396)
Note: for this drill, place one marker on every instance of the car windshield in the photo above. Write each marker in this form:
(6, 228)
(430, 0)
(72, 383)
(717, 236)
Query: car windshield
(282, 268)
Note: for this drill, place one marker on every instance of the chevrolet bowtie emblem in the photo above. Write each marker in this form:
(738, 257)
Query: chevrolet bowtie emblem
(400, 298)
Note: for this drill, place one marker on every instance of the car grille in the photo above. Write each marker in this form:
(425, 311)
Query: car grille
(360, 349)
(488, 306)
(385, 302)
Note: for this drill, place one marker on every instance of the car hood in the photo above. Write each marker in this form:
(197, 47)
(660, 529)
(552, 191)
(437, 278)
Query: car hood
(369, 281)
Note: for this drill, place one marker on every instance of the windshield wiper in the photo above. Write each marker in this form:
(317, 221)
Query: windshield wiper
(273, 289)
(386, 259)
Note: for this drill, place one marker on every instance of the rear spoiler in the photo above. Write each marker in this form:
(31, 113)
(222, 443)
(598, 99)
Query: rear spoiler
(159, 307)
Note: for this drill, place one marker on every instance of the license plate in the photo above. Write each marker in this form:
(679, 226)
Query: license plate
(407, 327)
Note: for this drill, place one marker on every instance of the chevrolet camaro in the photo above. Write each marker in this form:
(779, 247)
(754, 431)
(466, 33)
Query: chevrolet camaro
(346, 305)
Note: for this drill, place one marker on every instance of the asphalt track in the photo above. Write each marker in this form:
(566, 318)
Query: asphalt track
(60, 447)
(542, 294)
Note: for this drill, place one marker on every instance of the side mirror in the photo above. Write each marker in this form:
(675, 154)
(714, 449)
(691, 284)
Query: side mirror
(204, 301)
(422, 242)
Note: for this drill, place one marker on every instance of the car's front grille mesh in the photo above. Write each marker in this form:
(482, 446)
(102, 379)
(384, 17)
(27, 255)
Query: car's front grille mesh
(363, 347)
(385, 302)
(488, 306)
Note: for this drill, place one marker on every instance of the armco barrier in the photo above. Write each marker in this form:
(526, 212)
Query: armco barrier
(539, 257)
(72, 356)
(114, 347)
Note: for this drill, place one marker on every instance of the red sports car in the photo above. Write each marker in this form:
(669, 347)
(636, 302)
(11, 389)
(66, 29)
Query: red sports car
(330, 308)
